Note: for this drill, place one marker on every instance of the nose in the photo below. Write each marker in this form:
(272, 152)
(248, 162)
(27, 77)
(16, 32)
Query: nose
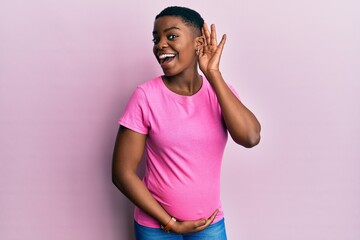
(162, 43)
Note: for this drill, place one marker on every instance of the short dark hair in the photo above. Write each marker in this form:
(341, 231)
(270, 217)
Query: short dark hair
(189, 16)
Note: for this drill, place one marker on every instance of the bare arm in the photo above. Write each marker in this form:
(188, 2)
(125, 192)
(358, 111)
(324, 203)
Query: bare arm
(129, 147)
(241, 123)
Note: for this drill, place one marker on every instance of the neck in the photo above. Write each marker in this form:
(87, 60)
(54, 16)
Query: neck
(184, 84)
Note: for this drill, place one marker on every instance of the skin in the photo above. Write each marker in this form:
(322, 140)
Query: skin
(172, 35)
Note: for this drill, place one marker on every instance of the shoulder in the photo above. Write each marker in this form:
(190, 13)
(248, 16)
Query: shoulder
(150, 86)
(146, 89)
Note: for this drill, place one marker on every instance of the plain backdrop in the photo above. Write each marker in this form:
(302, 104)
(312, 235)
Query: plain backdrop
(67, 69)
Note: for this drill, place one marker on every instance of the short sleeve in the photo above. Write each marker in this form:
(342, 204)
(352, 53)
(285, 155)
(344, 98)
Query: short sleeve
(135, 114)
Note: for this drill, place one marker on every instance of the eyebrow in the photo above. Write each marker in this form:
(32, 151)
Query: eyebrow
(167, 29)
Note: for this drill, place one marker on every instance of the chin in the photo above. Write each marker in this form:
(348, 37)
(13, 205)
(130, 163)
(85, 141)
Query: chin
(169, 73)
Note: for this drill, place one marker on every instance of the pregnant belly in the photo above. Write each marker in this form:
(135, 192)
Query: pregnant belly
(188, 201)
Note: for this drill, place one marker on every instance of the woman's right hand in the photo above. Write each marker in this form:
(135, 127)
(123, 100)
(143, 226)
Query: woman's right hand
(183, 227)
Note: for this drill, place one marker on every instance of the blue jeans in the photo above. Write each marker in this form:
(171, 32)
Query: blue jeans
(215, 231)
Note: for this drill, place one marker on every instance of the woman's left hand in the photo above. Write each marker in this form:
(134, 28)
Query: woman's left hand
(210, 53)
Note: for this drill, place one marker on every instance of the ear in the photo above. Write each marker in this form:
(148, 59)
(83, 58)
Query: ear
(199, 42)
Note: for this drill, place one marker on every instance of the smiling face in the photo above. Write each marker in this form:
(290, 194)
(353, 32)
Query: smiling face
(174, 45)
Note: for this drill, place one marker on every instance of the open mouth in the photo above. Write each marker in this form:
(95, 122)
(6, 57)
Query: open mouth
(166, 57)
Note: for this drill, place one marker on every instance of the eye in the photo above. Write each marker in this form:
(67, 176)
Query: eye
(172, 36)
(156, 40)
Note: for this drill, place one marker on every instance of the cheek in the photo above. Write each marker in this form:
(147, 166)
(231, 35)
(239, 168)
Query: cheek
(187, 50)
(189, 53)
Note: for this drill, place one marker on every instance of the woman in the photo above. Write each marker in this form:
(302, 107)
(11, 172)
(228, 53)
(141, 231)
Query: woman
(181, 121)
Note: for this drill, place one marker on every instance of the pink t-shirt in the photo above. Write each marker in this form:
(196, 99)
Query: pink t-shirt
(184, 149)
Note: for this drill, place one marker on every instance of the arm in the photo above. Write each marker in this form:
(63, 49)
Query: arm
(241, 123)
(129, 147)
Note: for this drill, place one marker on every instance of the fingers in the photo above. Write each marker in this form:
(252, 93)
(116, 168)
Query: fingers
(213, 35)
(222, 43)
(207, 222)
(214, 214)
(210, 37)
(206, 33)
(200, 223)
(212, 217)
(193, 226)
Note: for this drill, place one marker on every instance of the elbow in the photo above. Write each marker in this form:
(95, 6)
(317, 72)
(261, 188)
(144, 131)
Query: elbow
(251, 140)
(253, 137)
(119, 183)
(117, 180)
(122, 179)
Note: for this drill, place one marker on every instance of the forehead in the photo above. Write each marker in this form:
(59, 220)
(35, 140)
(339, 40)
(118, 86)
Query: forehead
(167, 22)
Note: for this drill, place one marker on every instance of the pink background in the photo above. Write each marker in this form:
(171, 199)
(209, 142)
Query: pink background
(68, 67)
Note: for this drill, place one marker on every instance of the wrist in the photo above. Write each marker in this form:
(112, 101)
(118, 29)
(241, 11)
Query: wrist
(169, 225)
(212, 74)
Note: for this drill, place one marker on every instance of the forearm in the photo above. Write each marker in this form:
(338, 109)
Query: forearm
(135, 190)
(241, 123)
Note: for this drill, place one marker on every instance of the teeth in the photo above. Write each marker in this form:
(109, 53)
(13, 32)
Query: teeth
(162, 56)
